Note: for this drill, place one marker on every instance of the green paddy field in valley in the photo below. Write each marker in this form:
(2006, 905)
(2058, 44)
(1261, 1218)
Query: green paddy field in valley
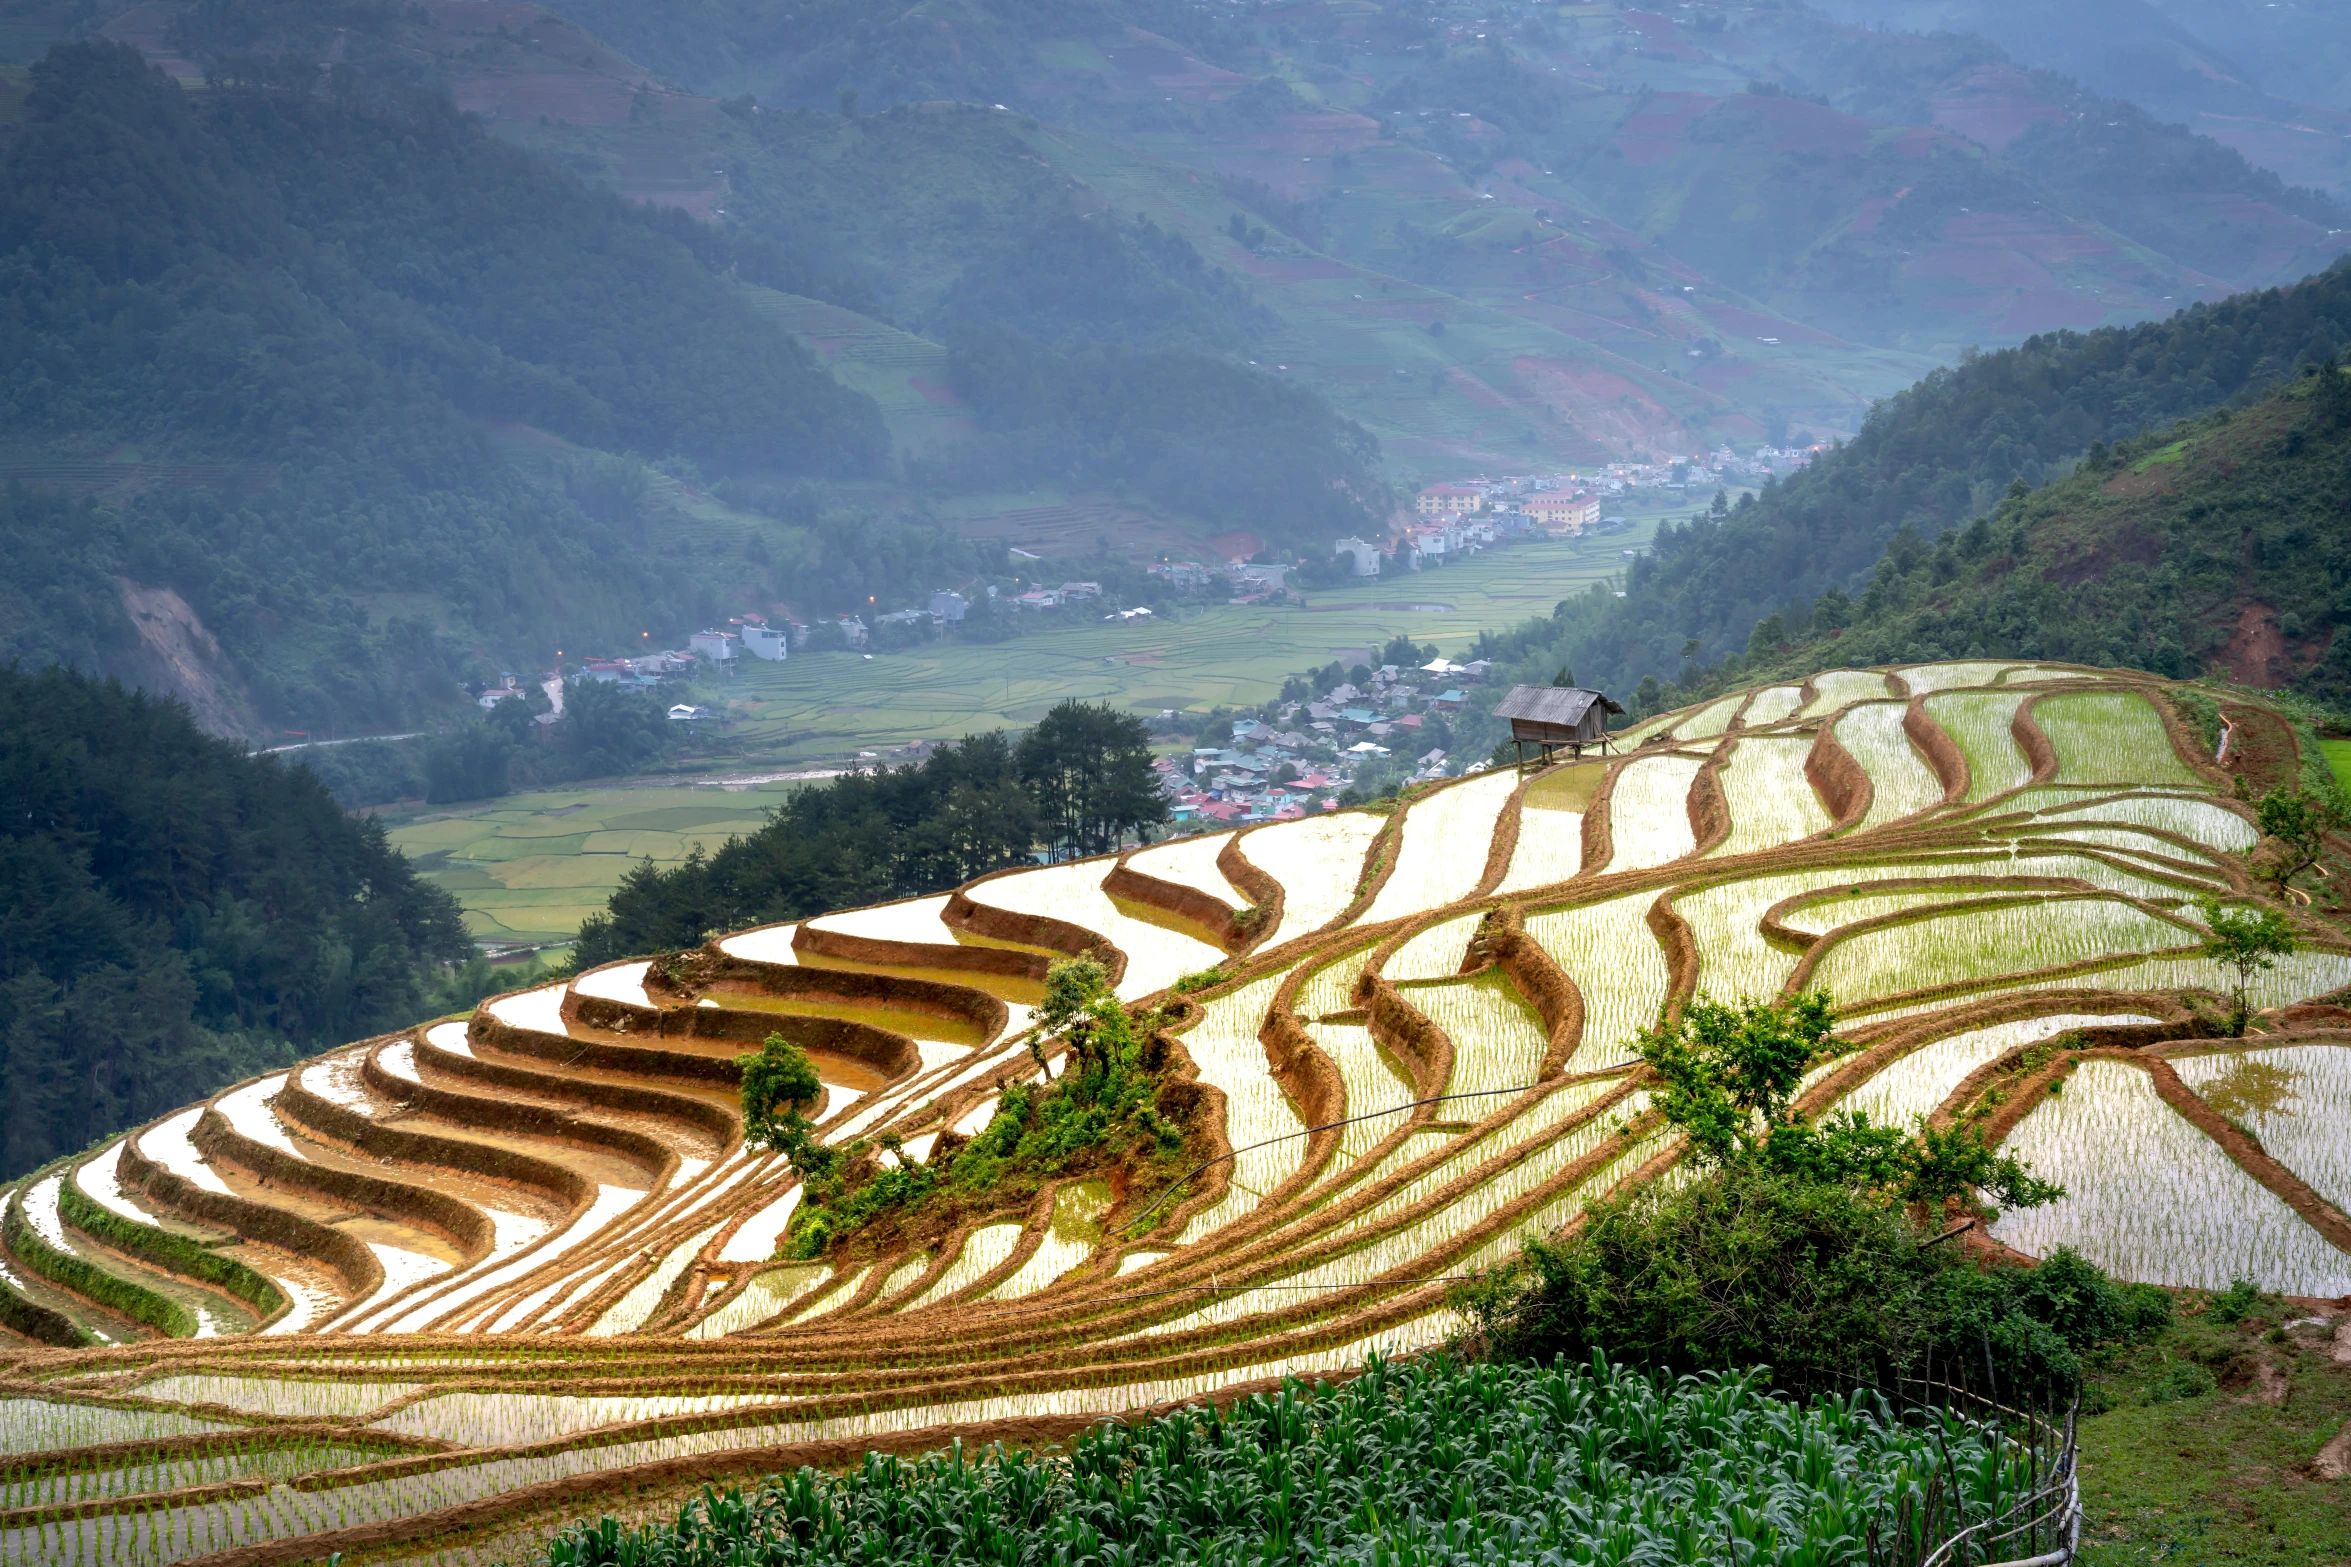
(831, 706)
(529, 867)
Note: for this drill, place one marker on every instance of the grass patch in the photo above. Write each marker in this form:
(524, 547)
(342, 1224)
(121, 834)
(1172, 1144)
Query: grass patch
(1568, 788)
(2338, 759)
(2175, 1475)
(2162, 457)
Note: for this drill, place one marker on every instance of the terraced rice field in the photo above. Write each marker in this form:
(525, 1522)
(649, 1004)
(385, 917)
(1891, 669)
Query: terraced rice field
(2104, 736)
(1648, 814)
(1771, 800)
(552, 1260)
(2295, 1098)
(1771, 705)
(1839, 688)
(2151, 1197)
(1550, 844)
(1982, 724)
(1444, 852)
(1901, 782)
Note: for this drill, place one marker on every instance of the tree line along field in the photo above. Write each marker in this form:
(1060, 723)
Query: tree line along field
(464, 1275)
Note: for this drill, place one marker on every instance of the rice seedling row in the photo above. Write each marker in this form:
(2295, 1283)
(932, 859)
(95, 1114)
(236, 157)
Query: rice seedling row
(2152, 1198)
(1771, 705)
(1980, 724)
(1771, 799)
(1901, 782)
(1191, 862)
(1609, 951)
(1923, 678)
(1498, 1041)
(1987, 943)
(1920, 1081)
(1446, 836)
(1550, 848)
(2110, 736)
(2295, 1098)
(1318, 860)
(1649, 812)
(1836, 688)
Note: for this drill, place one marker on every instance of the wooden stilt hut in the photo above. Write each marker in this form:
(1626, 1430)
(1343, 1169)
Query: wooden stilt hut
(1556, 718)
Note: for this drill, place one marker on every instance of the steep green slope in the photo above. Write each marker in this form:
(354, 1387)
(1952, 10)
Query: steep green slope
(1942, 451)
(1725, 593)
(2219, 543)
(174, 915)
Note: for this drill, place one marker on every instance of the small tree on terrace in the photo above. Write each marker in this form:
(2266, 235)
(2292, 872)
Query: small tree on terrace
(1730, 1077)
(2246, 942)
(779, 1083)
(1731, 1072)
(2298, 821)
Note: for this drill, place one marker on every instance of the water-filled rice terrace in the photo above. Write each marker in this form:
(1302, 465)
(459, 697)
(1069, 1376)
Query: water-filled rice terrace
(525, 1260)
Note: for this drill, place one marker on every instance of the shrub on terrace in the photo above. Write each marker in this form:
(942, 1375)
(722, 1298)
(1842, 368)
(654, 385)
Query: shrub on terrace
(1800, 1246)
(1107, 1103)
(1730, 1074)
(1825, 1285)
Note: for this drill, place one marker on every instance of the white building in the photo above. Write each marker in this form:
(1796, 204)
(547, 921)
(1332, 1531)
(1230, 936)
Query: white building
(761, 640)
(717, 646)
(1363, 559)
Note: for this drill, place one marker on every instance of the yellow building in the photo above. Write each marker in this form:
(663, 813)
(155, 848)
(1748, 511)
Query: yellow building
(1451, 500)
(1561, 511)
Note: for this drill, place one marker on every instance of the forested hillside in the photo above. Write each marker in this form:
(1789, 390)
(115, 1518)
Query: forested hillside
(175, 914)
(2216, 543)
(1933, 456)
(1074, 784)
(371, 396)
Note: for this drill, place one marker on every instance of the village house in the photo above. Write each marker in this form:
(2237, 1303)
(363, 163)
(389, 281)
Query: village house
(1450, 500)
(947, 606)
(762, 640)
(1181, 574)
(717, 646)
(1562, 512)
(1363, 559)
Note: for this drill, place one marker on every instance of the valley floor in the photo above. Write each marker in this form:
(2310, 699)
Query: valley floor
(527, 868)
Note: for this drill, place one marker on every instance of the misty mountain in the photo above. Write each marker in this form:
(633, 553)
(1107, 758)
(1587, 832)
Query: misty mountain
(313, 312)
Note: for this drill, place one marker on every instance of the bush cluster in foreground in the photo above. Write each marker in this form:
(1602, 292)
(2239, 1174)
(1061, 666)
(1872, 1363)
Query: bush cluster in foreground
(1422, 1462)
(1819, 1283)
